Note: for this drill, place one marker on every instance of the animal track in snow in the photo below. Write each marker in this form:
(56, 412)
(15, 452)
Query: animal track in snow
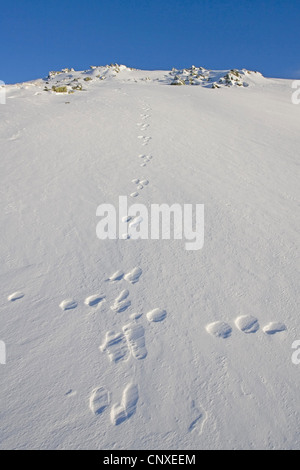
(116, 346)
(99, 400)
(219, 329)
(135, 316)
(123, 411)
(138, 183)
(122, 296)
(121, 306)
(117, 276)
(127, 218)
(15, 296)
(136, 221)
(130, 340)
(134, 275)
(145, 159)
(94, 300)
(141, 183)
(156, 315)
(247, 324)
(199, 417)
(68, 304)
(121, 303)
(274, 327)
(135, 336)
(71, 393)
(144, 138)
(143, 125)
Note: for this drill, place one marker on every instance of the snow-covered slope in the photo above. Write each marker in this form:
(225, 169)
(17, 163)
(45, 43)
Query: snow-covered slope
(140, 344)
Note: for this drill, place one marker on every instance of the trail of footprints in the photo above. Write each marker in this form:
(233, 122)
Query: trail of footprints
(145, 139)
(122, 411)
(246, 324)
(145, 159)
(130, 342)
(120, 304)
(120, 346)
(140, 184)
(199, 416)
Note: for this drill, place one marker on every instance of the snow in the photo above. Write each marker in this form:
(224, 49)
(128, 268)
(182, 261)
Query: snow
(89, 365)
(156, 315)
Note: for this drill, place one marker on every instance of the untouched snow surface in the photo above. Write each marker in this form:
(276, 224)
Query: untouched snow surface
(141, 344)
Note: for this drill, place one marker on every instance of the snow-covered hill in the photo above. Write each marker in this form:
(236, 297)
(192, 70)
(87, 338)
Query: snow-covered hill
(141, 344)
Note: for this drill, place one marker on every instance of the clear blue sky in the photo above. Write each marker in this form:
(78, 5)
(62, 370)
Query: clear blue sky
(38, 36)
